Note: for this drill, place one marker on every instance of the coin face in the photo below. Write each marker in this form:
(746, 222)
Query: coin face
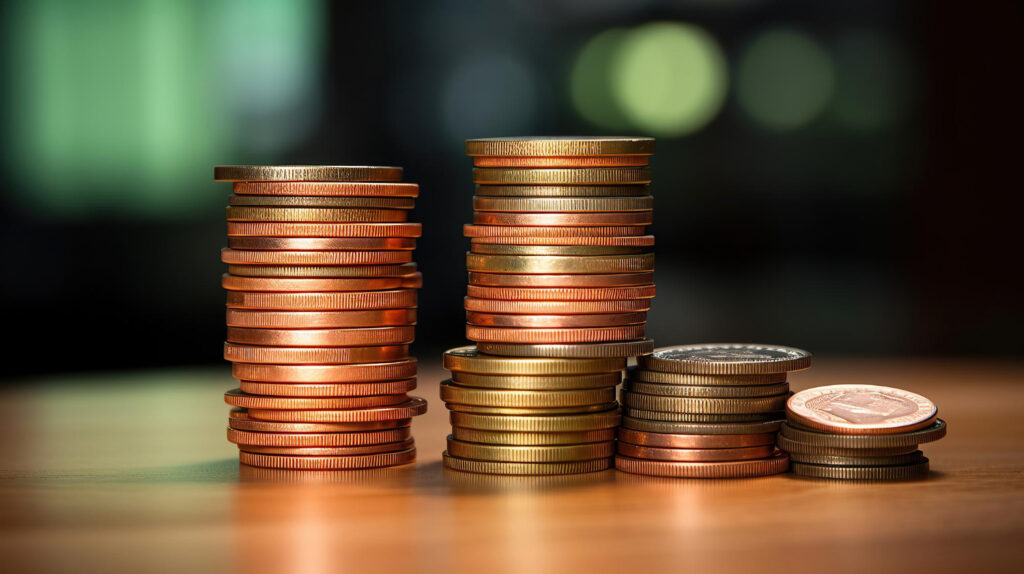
(861, 409)
(727, 359)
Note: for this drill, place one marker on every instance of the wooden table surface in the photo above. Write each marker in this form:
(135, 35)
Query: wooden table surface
(131, 472)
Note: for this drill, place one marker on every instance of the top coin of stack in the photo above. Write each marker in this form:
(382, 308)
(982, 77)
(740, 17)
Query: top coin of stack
(559, 263)
(321, 311)
(859, 432)
(706, 411)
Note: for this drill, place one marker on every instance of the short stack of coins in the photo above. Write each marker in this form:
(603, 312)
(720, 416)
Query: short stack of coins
(706, 411)
(530, 416)
(859, 432)
(321, 309)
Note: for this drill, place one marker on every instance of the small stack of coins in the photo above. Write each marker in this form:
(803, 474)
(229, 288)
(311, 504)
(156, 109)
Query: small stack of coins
(530, 416)
(859, 432)
(706, 411)
(321, 310)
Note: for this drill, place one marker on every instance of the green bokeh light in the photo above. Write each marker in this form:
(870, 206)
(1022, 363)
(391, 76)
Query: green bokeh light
(669, 79)
(784, 79)
(874, 81)
(590, 81)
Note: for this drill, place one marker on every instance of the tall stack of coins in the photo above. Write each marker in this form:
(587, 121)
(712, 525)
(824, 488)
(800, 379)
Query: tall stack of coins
(859, 432)
(560, 281)
(321, 310)
(706, 411)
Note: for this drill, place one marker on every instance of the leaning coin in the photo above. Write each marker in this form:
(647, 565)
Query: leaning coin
(908, 472)
(525, 468)
(913, 438)
(530, 454)
(581, 350)
(861, 409)
(778, 463)
(726, 359)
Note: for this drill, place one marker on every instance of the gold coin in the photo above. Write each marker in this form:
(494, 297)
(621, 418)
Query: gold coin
(567, 264)
(719, 392)
(325, 230)
(795, 447)
(778, 463)
(498, 249)
(834, 460)
(671, 416)
(562, 176)
(532, 411)
(467, 359)
(306, 201)
(401, 270)
(326, 188)
(643, 375)
(935, 432)
(669, 427)
(563, 190)
(751, 405)
(351, 462)
(525, 468)
(307, 173)
(262, 257)
(537, 383)
(535, 454)
(908, 472)
(582, 350)
(563, 204)
(532, 438)
(315, 214)
(726, 359)
(524, 399)
(559, 146)
(537, 423)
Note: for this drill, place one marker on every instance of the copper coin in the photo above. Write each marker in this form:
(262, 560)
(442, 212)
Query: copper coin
(562, 176)
(861, 409)
(544, 336)
(322, 243)
(561, 294)
(328, 462)
(695, 454)
(354, 373)
(308, 440)
(413, 407)
(562, 204)
(554, 250)
(314, 355)
(355, 300)
(307, 173)
(367, 337)
(643, 279)
(328, 389)
(616, 218)
(305, 284)
(555, 307)
(572, 161)
(239, 419)
(778, 463)
(319, 319)
(585, 350)
(321, 201)
(620, 241)
(315, 214)
(330, 450)
(555, 321)
(241, 257)
(562, 190)
(237, 398)
(699, 441)
(331, 271)
(281, 229)
(474, 231)
(327, 188)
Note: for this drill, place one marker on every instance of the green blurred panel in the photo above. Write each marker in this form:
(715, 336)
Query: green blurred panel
(119, 108)
(590, 81)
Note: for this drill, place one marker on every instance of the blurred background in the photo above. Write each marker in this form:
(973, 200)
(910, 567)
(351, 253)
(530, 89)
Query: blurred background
(835, 176)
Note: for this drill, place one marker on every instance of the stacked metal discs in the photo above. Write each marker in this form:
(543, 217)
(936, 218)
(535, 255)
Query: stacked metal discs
(560, 281)
(706, 411)
(321, 310)
(859, 432)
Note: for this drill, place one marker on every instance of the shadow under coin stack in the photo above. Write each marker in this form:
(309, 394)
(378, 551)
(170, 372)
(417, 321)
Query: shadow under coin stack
(560, 281)
(706, 411)
(321, 310)
(859, 432)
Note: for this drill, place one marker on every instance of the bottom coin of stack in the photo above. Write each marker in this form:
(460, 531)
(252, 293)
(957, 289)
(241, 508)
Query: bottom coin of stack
(706, 411)
(530, 416)
(859, 432)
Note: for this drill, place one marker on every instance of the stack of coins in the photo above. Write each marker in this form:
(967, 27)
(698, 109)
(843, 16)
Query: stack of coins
(321, 310)
(530, 416)
(706, 411)
(859, 432)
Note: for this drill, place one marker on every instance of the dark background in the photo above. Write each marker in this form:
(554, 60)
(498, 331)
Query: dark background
(895, 235)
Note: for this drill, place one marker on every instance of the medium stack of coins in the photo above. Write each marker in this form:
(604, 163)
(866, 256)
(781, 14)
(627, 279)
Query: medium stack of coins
(706, 411)
(859, 432)
(321, 310)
